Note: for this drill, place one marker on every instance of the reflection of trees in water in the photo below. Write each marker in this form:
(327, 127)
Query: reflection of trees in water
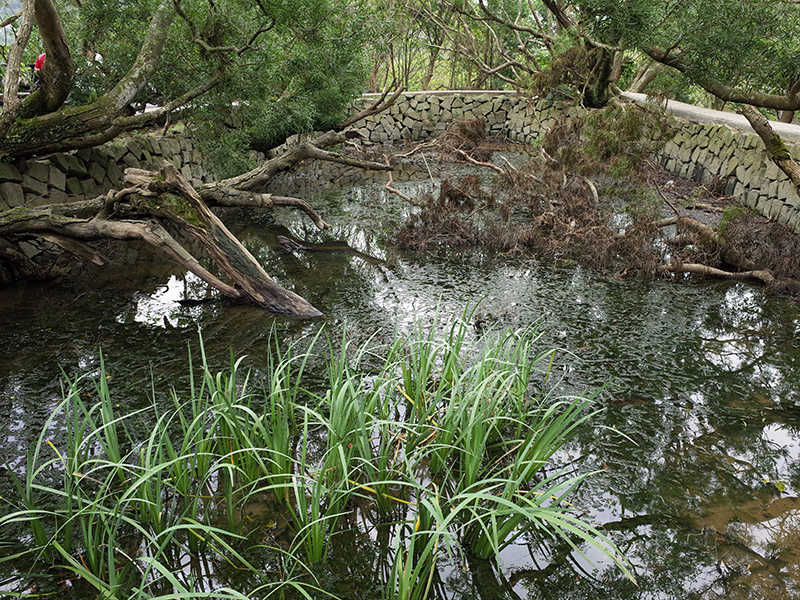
(700, 380)
(696, 381)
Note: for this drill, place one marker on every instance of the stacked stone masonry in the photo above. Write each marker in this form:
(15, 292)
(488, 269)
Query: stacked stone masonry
(705, 152)
(89, 173)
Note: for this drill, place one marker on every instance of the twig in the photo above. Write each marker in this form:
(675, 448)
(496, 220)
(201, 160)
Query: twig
(660, 193)
(394, 190)
(469, 159)
(593, 189)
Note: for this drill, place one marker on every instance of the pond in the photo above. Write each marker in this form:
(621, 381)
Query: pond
(702, 378)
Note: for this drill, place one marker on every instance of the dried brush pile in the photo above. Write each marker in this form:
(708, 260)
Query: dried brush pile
(582, 200)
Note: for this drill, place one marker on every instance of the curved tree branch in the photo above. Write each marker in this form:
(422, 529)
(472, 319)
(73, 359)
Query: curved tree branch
(58, 72)
(789, 101)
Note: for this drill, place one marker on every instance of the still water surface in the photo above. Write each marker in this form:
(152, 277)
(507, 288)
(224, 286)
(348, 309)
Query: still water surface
(702, 377)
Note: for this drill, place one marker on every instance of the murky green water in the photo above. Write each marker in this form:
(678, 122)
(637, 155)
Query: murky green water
(703, 378)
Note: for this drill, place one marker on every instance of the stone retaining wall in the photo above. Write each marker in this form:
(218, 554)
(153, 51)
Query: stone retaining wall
(90, 172)
(708, 152)
(701, 151)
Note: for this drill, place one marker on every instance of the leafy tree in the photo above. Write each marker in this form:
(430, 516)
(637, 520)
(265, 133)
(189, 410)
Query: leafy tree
(744, 52)
(283, 66)
(276, 66)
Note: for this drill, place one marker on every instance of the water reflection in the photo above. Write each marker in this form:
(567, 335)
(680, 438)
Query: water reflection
(701, 376)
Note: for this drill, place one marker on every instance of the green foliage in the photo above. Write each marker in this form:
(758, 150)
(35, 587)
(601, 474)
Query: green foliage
(369, 437)
(751, 44)
(622, 137)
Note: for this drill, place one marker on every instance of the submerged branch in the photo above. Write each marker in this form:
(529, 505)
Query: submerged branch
(698, 269)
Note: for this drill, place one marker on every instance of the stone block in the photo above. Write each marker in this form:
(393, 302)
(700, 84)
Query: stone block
(74, 186)
(60, 161)
(9, 173)
(100, 156)
(84, 154)
(12, 193)
(174, 147)
(29, 249)
(77, 167)
(33, 186)
(772, 189)
(55, 196)
(786, 191)
(114, 173)
(90, 187)
(131, 161)
(97, 172)
(744, 174)
(136, 149)
(116, 152)
(783, 214)
(38, 171)
(774, 208)
(794, 220)
(772, 172)
(750, 198)
(56, 178)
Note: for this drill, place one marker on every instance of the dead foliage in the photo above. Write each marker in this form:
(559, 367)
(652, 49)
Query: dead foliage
(535, 209)
(552, 207)
(769, 245)
(446, 220)
(466, 136)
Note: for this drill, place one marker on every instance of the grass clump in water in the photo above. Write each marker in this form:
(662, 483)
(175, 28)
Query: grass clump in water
(411, 450)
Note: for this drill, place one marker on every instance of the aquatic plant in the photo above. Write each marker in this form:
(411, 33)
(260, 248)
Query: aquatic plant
(435, 446)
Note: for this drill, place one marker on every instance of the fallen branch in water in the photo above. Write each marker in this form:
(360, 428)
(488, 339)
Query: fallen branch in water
(471, 160)
(698, 269)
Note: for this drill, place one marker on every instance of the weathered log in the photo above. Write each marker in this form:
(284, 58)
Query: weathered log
(698, 269)
(139, 212)
(234, 260)
(227, 196)
(258, 177)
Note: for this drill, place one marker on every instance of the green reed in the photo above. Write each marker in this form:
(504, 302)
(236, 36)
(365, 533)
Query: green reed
(444, 445)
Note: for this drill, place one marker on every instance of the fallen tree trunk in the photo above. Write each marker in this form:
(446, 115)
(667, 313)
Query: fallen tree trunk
(774, 145)
(142, 211)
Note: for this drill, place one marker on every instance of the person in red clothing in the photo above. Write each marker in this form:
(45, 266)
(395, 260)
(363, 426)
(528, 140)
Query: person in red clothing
(37, 70)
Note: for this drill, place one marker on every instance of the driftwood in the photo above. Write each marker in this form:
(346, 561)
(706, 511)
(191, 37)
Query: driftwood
(698, 269)
(146, 210)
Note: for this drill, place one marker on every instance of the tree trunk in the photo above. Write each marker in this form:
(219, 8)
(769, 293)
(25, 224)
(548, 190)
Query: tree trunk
(63, 129)
(146, 212)
(234, 260)
(774, 145)
(58, 71)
